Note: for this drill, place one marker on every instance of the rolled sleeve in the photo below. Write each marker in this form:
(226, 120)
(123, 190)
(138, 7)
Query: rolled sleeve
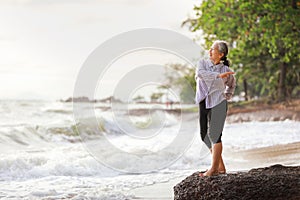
(206, 77)
(230, 85)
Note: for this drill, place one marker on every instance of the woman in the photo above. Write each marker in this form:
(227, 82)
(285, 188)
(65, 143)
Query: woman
(215, 85)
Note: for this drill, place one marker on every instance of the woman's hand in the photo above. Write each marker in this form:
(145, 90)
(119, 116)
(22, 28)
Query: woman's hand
(228, 96)
(224, 75)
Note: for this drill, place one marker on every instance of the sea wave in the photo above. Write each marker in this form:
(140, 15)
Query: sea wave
(89, 128)
(51, 162)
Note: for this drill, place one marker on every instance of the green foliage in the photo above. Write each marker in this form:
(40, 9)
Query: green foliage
(182, 77)
(156, 96)
(188, 87)
(264, 40)
(138, 98)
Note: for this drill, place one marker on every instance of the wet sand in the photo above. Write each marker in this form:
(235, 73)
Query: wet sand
(285, 154)
(159, 191)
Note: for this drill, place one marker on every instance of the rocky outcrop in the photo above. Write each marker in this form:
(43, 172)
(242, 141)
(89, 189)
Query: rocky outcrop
(78, 99)
(275, 182)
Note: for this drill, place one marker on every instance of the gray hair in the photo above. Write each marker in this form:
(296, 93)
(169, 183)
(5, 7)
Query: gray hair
(223, 48)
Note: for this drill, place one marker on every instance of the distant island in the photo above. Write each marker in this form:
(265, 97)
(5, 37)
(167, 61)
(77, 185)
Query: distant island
(86, 99)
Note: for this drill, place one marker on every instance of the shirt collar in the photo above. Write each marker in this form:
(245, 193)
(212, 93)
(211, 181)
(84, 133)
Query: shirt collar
(218, 66)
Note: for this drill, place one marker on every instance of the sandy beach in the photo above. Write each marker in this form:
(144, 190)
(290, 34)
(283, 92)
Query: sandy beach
(287, 154)
(161, 191)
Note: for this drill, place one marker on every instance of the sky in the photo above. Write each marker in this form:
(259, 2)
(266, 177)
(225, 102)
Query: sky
(44, 43)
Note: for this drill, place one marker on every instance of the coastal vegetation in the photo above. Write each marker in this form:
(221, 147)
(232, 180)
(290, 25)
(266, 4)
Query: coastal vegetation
(264, 40)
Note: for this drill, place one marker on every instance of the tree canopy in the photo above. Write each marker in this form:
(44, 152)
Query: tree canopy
(264, 39)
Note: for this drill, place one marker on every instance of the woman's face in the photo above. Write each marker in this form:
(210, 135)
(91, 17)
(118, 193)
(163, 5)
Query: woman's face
(214, 54)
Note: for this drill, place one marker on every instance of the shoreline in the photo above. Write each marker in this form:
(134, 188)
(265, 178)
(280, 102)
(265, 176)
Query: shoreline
(159, 191)
(246, 160)
(237, 112)
(263, 116)
(285, 154)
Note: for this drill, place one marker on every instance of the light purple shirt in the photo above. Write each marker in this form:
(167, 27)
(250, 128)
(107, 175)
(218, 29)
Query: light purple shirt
(214, 89)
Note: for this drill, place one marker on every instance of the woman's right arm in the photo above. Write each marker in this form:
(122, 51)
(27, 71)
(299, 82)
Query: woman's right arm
(203, 73)
(206, 78)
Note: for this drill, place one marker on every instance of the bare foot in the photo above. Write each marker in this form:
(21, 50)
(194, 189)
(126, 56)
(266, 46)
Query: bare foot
(222, 171)
(209, 172)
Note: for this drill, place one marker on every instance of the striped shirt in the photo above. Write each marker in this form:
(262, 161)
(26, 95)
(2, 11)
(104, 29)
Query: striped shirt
(214, 90)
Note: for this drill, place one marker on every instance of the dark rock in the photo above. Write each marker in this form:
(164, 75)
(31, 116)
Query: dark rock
(86, 99)
(110, 100)
(78, 99)
(275, 182)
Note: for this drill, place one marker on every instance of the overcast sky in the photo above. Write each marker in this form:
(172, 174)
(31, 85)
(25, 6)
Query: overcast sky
(43, 43)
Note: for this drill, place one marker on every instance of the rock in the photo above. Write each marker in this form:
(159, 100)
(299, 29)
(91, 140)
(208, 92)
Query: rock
(275, 182)
(86, 99)
(78, 99)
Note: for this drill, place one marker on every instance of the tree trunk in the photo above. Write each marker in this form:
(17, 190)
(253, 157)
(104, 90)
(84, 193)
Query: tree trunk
(294, 4)
(245, 89)
(281, 86)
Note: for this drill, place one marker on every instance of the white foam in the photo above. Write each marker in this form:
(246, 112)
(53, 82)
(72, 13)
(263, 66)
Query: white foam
(42, 163)
(72, 160)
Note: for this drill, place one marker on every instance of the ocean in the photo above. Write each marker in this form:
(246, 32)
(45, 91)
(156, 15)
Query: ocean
(48, 154)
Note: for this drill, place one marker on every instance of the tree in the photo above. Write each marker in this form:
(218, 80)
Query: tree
(155, 96)
(139, 98)
(182, 77)
(264, 40)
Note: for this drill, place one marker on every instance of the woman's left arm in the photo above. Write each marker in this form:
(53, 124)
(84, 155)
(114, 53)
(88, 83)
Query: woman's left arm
(230, 86)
